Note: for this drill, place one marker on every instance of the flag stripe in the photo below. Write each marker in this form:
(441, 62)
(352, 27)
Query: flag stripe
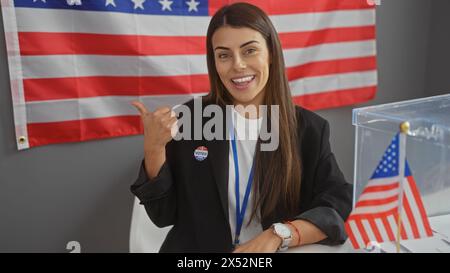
(379, 195)
(337, 98)
(375, 209)
(46, 43)
(349, 227)
(82, 87)
(410, 218)
(374, 214)
(418, 202)
(55, 66)
(407, 225)
(403, 232)
(415, 210)
(41, 20)
(96, 107)
(312, 85)
(41, 43)
(362, 231)
(389, 229)
(60, 66)
(382, 229)
(377, 202)
(83, 129)
(370, 188)
(392, 219)
(393, 222)
(331, 67)
(367, 228)
(388, 181)
(374, 228)
(298, 6)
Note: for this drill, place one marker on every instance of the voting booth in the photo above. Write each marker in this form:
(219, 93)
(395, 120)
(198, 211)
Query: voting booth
(427, 152)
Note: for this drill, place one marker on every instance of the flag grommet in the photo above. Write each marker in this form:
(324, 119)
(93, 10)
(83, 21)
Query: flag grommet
(22, 140)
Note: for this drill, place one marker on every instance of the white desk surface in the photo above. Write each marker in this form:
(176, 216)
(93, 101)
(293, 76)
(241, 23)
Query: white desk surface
(316, 248)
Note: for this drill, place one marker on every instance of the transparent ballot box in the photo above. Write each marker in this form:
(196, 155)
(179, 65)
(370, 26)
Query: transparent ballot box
(413, 195)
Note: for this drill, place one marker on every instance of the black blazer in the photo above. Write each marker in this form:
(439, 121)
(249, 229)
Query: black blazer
(193, 195)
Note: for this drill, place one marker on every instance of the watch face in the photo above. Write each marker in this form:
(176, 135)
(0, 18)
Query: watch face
(283, 230)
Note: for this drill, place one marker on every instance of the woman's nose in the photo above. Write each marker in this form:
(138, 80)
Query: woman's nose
(239, 63)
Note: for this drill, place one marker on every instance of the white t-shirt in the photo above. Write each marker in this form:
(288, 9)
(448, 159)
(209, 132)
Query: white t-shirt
(247, 132)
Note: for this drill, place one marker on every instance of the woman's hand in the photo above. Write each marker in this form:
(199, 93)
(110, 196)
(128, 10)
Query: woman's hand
(159, 128)
(267, 241)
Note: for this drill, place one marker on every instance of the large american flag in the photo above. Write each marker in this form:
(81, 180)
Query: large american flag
(75, 65)
(376, 213)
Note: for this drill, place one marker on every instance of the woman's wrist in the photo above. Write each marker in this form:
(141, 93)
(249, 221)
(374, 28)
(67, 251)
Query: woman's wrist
(274, 239)
(296, 237)
(154, 150)
(154, 159)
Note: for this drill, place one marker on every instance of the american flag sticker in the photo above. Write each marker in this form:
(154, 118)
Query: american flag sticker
(201, 153)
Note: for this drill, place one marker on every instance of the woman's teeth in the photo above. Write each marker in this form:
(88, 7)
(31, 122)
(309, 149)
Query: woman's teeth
(242, 83)
(243, 80)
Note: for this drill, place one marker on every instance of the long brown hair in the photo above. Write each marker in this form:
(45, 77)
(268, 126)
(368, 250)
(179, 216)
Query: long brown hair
(277, 173)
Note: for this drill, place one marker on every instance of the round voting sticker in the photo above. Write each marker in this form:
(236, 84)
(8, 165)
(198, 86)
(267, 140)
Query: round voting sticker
(201, 153)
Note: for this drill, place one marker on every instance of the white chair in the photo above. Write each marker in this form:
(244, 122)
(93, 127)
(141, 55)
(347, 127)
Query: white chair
(145, 236)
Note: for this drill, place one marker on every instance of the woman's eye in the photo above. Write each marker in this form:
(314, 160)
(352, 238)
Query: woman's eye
(250, 51)
(222, 56)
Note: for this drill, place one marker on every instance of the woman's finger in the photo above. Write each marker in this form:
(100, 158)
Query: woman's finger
(140, 107)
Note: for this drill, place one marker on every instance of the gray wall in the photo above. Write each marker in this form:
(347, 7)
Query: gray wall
(59, 193)
(438, 77)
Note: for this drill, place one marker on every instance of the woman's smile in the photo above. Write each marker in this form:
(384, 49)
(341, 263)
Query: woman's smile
(243, 83)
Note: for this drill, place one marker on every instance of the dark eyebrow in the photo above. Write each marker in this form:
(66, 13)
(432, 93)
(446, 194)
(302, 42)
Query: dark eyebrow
(244, 44)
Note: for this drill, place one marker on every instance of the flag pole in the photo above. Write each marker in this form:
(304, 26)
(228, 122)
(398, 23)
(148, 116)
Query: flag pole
(404, 130)
(399, 225)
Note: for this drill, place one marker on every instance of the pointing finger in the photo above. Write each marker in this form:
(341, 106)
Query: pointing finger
(140, 107)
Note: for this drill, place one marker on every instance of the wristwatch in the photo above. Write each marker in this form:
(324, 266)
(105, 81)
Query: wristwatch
(284, 232)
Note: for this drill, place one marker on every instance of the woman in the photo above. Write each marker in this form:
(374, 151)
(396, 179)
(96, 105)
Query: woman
(241, 198)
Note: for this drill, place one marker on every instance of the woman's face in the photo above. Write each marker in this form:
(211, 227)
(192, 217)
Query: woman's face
(242, 62)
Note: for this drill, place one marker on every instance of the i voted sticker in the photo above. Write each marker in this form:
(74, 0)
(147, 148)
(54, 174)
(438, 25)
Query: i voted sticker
(201, 153)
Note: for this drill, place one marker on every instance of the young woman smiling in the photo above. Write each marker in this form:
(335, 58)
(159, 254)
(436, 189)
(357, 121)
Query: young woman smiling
(231, 195)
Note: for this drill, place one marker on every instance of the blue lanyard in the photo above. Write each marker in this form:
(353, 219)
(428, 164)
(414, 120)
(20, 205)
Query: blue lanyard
(240, 213)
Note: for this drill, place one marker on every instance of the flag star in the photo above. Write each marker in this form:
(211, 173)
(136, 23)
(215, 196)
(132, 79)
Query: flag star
(166, 4)
(74, 2)
(193, 5)
(110, 2)
(138, 4)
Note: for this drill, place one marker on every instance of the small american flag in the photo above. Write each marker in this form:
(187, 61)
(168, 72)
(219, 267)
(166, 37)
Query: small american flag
(375, 214)
(75, 65)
